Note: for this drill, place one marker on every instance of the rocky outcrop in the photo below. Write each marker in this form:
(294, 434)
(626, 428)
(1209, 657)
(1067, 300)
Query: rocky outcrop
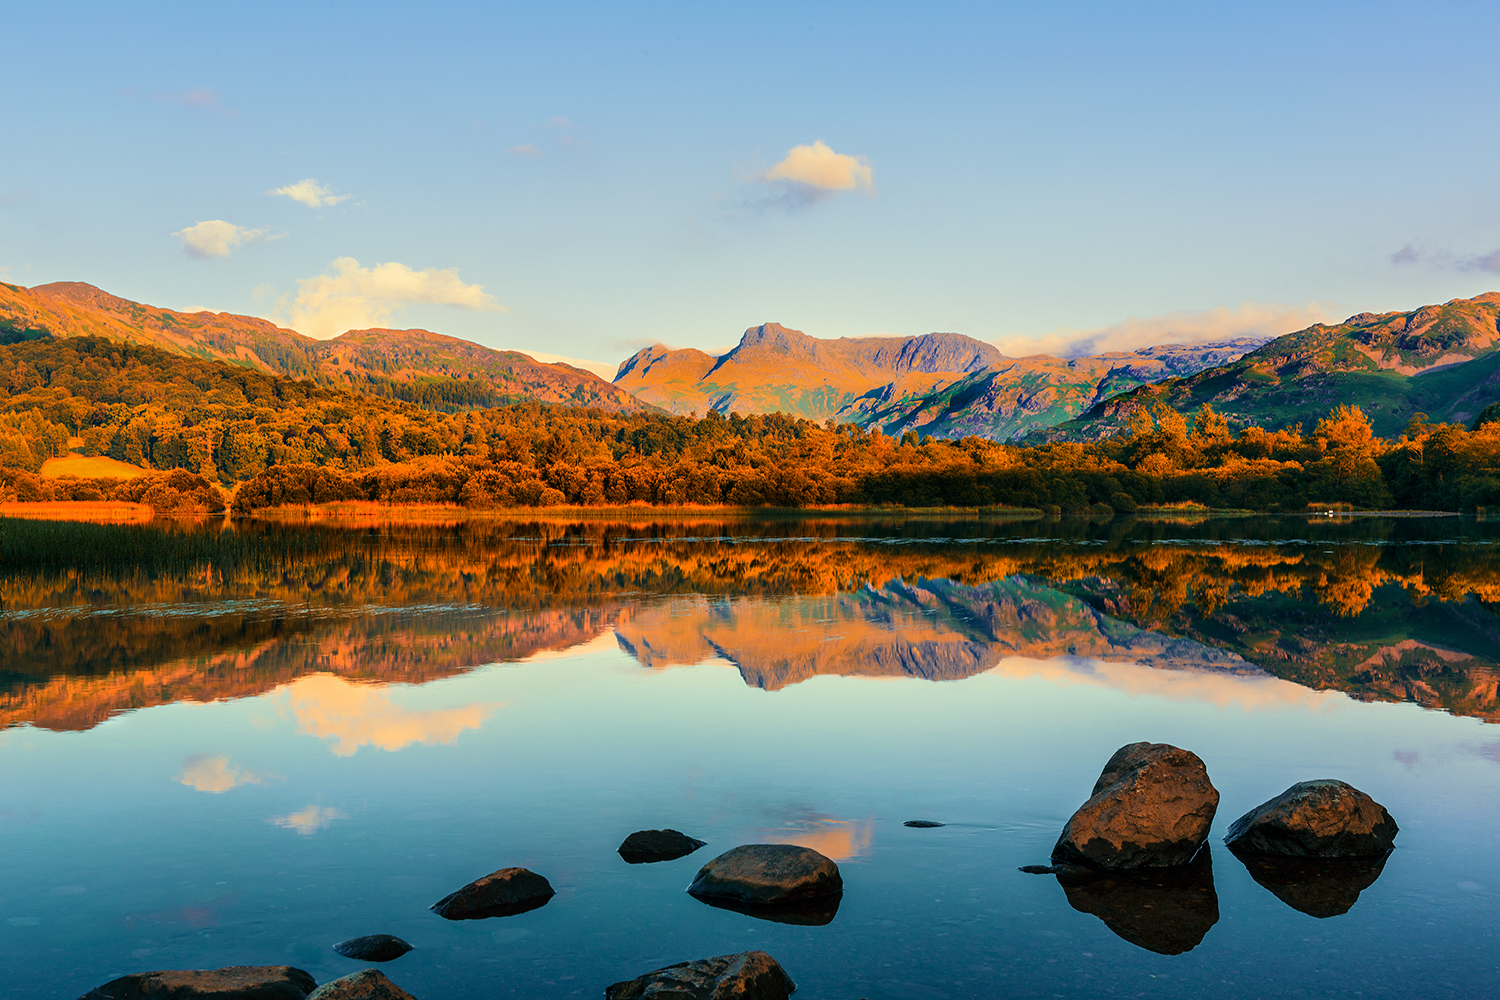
(1318, 887)
(768, 875)
(1325, 818)
(1165, 910)
(749, 975)
(1151, 807)
(648, 846)
(373, 948)
(367, 984)
(499, 894)
(237, 982)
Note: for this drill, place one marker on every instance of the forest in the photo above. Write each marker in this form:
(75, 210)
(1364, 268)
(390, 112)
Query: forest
(268, 441)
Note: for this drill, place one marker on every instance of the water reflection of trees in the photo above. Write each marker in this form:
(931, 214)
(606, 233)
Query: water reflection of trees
(1381, 609)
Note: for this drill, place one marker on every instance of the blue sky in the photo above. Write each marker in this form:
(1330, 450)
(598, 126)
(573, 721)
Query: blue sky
(607, 174)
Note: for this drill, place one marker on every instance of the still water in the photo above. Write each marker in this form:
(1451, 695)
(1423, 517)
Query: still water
(239, 745)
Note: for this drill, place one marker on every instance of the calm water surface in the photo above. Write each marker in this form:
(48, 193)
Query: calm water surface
(238, 746)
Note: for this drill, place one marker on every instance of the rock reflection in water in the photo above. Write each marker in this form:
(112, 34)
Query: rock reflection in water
(1319, 887)
(807, 912)
(1165, 910)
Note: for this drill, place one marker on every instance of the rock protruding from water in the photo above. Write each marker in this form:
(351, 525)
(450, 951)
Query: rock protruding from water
(1165, 910)
(1318, 887)
(768, 875)
(648, 846)
(366, 984)
(499, 894)
(1325, 818)
(749, 975)
(373, 948)
(237, 982)
(922, 824)
(1151, 807)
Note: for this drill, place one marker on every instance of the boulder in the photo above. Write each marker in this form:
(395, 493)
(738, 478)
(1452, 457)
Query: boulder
(648, 846)
(1325, 818)
(373, 948)
(768, 874)
(366, 984)
(1318, 887)
(1151, 807)
(1165, 910)
(237, 982)
(499, 894)
(750, 975)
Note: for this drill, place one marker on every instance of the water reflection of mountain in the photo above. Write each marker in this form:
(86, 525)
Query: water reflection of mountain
(95, 619)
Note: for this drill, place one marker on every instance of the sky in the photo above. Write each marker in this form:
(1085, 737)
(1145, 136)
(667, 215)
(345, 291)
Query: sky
(583, 180)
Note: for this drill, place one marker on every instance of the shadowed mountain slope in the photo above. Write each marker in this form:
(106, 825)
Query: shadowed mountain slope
(1440, 360)
(418, 366)
(939, 384)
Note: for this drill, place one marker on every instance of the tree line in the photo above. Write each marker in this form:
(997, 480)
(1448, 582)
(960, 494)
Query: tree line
(274, 441)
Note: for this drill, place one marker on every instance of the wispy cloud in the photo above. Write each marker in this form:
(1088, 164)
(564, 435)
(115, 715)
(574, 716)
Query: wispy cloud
(198, 99)
(356, 298)
(525, 149)
(357, 715)
(310, 193)
(1412, 253)
(1252, 319)
(214, 774)
(310, 820)
(216, 238)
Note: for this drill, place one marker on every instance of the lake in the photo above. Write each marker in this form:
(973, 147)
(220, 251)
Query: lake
(238, 745)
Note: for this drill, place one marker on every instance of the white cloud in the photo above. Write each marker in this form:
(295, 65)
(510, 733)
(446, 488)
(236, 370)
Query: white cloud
(213, 774)
(525, 149)
(310, 193)
(216, 238)
(1252, 319)
(354, 715)
(310, 820)
(357, 298)
(819, 167)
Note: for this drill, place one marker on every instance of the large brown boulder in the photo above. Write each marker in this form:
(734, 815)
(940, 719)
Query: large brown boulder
(366, 984)
(499, 894)
(647, 846)
(237, 982)
(1151, 807)
(750, 975)
(1325, 818)
(768, 874)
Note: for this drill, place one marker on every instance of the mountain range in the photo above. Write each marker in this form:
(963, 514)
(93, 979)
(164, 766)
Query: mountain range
(1440, 360)
(940, 384)
(415, 365)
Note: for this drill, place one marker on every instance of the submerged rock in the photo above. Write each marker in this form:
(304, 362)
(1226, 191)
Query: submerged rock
(236, 982)
(499, 894)
(367, 984)
(764, 874)
(1319, 887)
(373, 948)
(1325, 818)
(1151, 807)
(1165, 910)
(749, 975)
(647, 846)
(922, 824)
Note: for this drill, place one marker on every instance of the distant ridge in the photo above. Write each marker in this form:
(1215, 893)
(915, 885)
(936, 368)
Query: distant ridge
(939, 384)
(419, 366)
(1441, 360)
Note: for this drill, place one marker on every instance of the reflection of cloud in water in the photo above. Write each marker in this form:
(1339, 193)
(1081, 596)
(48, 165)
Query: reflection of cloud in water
(1247, 690)
(838, 839)
(310, 820)
(214, 774)
(356, 715)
